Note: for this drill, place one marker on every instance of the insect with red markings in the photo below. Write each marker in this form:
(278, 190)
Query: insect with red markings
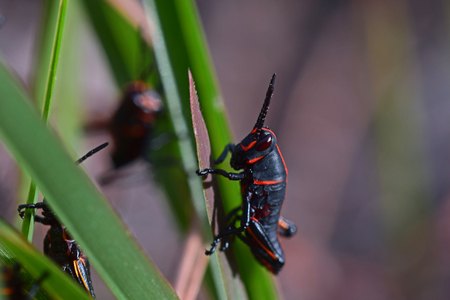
(263, 185)
(59, 245)
(132, 124)
(133, 121)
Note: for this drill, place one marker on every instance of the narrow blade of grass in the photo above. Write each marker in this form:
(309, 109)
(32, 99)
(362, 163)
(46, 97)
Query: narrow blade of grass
(179, 122)
(213, 200)
(28, 220)
(182, 130)
(47, 33)
(79, 205)
(28, 223)
(58, 284)
(68, 109)
(54, 60)
(186, 48)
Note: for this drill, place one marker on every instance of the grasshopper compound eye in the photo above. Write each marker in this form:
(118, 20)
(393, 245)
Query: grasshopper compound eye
(264, 143)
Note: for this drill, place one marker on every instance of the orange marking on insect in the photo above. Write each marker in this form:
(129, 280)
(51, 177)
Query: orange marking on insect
(262, 246)
(7, 291)
(245, 148)
(285, 168)
(283, 224)
(139, 85)
(75, 266)
(252, 161)
(267, 182)
(78, 272)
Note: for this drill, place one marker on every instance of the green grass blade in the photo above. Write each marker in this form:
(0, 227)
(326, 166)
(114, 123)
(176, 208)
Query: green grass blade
(28, 220)
(79, 205)
(14, 248)
(120, 39)
(175, 109)
(176, 89)
(47, 33)
(68, 109)
(180, 123)
(28, 224)
(187, 49)
(54, 60)
(212, 197)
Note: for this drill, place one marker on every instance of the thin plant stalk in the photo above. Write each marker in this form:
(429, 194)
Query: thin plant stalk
(28, 223)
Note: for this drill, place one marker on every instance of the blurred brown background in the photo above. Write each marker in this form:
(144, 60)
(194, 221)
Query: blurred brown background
(361, 114)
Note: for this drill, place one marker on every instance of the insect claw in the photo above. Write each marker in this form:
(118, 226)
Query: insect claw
(224, 246)
(202, 173)
(213, 247)
(210, 251)
(21, 213)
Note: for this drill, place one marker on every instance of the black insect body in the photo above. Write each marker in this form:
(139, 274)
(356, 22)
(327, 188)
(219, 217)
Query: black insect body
(133, 122)
(263, 184)
(13, 284)
(59, 245)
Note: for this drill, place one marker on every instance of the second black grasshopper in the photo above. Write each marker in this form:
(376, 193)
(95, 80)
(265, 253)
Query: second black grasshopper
(59, 245)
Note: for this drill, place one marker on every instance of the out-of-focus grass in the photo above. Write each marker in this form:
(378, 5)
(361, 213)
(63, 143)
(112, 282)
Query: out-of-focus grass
(28, 222)
(397, 122)
(399, 142)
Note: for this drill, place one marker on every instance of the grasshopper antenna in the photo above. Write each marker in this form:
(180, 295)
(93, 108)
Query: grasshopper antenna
(262, 115)
(92, 152)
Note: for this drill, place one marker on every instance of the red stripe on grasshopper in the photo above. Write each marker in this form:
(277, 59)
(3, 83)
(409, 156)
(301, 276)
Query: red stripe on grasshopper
(260, 244)
(245, 148)
(258, 182)
(252, 161)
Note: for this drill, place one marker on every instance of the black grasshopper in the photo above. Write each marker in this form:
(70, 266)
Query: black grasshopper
(58, 244)
(133, 122)
(263, 185)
